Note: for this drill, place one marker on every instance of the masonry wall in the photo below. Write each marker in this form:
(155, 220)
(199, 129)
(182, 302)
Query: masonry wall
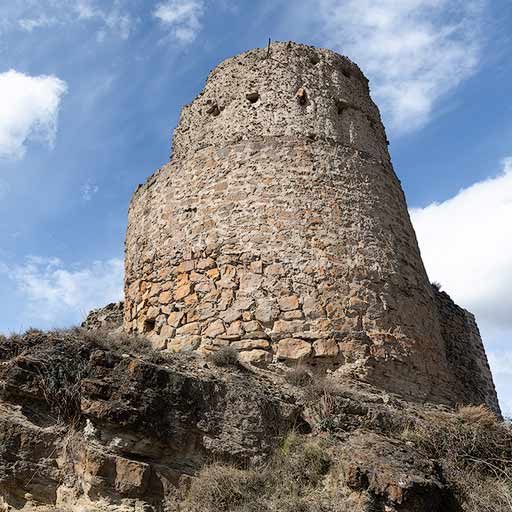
(466, 354)
(280, 228)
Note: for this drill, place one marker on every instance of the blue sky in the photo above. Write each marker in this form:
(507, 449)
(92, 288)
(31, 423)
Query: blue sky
(90, 91)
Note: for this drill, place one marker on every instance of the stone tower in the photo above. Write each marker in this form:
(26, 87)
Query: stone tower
(280, 228)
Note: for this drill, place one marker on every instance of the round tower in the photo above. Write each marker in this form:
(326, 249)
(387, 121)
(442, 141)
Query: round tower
(279, 228)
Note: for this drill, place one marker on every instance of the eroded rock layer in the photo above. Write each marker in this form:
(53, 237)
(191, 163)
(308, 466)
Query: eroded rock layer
(280, 228)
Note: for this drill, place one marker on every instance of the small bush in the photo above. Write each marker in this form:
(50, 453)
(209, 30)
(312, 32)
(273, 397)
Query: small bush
(291, 482)
(475, 451)
(301, 463)
(220, 488)
(226, 356)
(298, 376)
(477, 415)
(117, 341)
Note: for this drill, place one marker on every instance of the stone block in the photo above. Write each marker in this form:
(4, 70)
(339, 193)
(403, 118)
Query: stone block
(206, 264)
(157, 342)
(167, 331)
(186, 266)
(235, 329)
(184, 343)
(255, 356)
(165, 297)
(266, 311)
(293, 349)
(214, 329)
(152, 313)
(193, 328)
(182, 291)
(230, 315)
(175, 318)
(325, 348)
(250, 282)
(250, 344)
(283, 328)
(288, 303)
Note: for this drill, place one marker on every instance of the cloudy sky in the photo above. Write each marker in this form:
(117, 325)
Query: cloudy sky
(90, 91)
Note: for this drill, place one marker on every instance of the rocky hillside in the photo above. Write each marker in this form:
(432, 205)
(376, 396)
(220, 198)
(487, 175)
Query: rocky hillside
(91, 421)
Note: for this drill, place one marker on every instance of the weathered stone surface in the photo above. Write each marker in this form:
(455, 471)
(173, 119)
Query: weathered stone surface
(255, 356)
(291, 201)
(406, 481)
(184, 343)
(466, 352)
(325, 348)
(293, 349)
(137, 432)
(215, 329)
(289, 303)
(109, 317)
(193, 328)
(250, 344)
(86, 426)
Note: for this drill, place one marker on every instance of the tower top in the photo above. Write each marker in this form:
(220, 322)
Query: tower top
(288, 89)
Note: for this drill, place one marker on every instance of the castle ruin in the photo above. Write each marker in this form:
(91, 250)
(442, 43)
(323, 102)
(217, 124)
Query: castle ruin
(279, 228)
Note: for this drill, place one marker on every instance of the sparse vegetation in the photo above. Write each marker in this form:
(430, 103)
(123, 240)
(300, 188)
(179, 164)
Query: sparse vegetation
(226, 356)
(291, 481)
(298, 376)
(475, 450)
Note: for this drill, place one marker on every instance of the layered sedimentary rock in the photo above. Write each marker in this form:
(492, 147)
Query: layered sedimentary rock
(280, 228)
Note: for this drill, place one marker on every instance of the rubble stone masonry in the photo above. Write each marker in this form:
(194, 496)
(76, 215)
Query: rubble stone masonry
(280, 228)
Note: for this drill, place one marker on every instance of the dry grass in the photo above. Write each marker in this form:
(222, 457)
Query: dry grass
(298, 376)
(226, 356)
(291, 482)
(117, 341)
(475, 450)
(477, 415)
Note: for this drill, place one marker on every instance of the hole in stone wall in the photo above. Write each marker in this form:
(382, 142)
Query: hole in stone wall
(213, 108)
(346, 73)
(341, 105)
(314, 59)
(253, 96)
(302, 96)
(149, 325)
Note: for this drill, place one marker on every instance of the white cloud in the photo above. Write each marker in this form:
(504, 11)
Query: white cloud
(111, 15)
(182, 16)
(29, 24)
(29, 107)
(466, 243)
(53, 292)
(115, 19)
(88, 190)
(414, 51)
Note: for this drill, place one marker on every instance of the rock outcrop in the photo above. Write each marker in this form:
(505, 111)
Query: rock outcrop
(280, 228)
(103, 423)
(82, 423)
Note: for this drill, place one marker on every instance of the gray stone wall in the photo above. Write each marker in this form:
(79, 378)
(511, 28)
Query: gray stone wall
(466, 354)
(280, 228)
(109, 317)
